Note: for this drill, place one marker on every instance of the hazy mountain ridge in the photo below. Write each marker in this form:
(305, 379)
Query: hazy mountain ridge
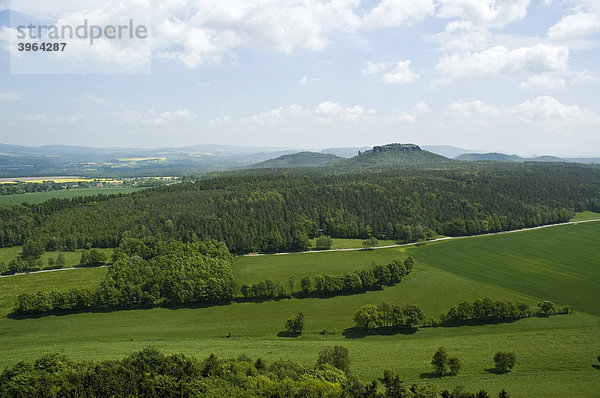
(300, 159)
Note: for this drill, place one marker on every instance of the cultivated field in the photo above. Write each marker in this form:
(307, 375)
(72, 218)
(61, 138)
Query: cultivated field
(39, 197)
(555, 355)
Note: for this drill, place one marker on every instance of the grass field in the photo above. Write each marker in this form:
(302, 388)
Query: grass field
(338, 243)
(558, 263)
(586, 215)
(39, 197)
(72, 259)
(554, 355)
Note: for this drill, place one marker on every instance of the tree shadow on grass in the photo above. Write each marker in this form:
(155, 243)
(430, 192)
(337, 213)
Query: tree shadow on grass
(287, 333)
(429, 375)
(596, 366)
(496, 371)
(359, 333)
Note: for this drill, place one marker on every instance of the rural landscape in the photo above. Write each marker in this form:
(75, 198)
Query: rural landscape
(345, 278)
(299, 199)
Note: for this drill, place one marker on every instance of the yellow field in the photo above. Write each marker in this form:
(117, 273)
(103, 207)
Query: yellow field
(57, 180)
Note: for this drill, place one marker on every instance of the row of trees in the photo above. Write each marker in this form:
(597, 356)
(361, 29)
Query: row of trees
(19, 264)
(371, 317)
(486, 310)
(328, 285)
(444, 365)
(271, 211)
(178, 274)
(150, 373)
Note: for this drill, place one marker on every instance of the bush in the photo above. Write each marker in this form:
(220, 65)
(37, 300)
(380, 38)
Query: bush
(295, 324)
(439, 361)
(336, 356)
(504, 361)
(454, 365)
(323, 242)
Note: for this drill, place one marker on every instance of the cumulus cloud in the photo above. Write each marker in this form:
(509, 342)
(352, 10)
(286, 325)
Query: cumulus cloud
(390, 13)
(218, 121)
(461, 36)
(500, 60)
(574, 26)
(329, 111)
(492, 13)
(399, 73)
(275, 115)
(551, 113)
(420, 108)
(464, 109)
(544, 81)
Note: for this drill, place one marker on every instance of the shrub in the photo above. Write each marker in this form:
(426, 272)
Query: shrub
(504, 361)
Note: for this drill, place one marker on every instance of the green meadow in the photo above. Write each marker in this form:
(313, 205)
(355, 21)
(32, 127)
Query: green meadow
(554, 355)
(39, 197)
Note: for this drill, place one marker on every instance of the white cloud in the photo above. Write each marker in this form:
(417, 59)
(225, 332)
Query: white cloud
(550, 113)
(493, 13)
(329, 111)
(303, 81)
(205, 31)
(9, 96)
(462, 36)
(167, 117)
(399, 73)
(574, 26)
(499, 60)
(267, 117)
(464, 109)
(544, 81)
(420, 108)
(43, 118)
(218, 121)
(277, 114)
(154, 118)
(407, 118)
(390, 13)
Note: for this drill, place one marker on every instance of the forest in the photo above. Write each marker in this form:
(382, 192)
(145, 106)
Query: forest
(150, 373)
(147, 275)
(275, 210)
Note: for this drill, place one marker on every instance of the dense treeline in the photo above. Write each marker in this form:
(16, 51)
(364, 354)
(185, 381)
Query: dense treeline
(487, 310)
(330, 285)
(274, 210)
(371, 317)
(146, 274)
(149, 373)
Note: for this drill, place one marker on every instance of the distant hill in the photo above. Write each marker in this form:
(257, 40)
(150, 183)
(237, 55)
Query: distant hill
(300, 159)
(448, 151)
(395, 155)
(502, 157)
(345, 152)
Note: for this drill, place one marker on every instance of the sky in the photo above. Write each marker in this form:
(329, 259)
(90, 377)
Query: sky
(513, 76)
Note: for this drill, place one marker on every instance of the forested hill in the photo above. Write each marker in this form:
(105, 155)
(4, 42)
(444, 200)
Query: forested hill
(279, 210)
(395, 155)
(301, 159)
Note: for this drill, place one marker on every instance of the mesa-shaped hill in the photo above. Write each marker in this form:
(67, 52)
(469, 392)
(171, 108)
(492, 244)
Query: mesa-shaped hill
(392, 155)
(300, 159)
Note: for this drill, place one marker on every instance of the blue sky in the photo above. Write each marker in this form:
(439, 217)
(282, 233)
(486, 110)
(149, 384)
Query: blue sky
(515, 76)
